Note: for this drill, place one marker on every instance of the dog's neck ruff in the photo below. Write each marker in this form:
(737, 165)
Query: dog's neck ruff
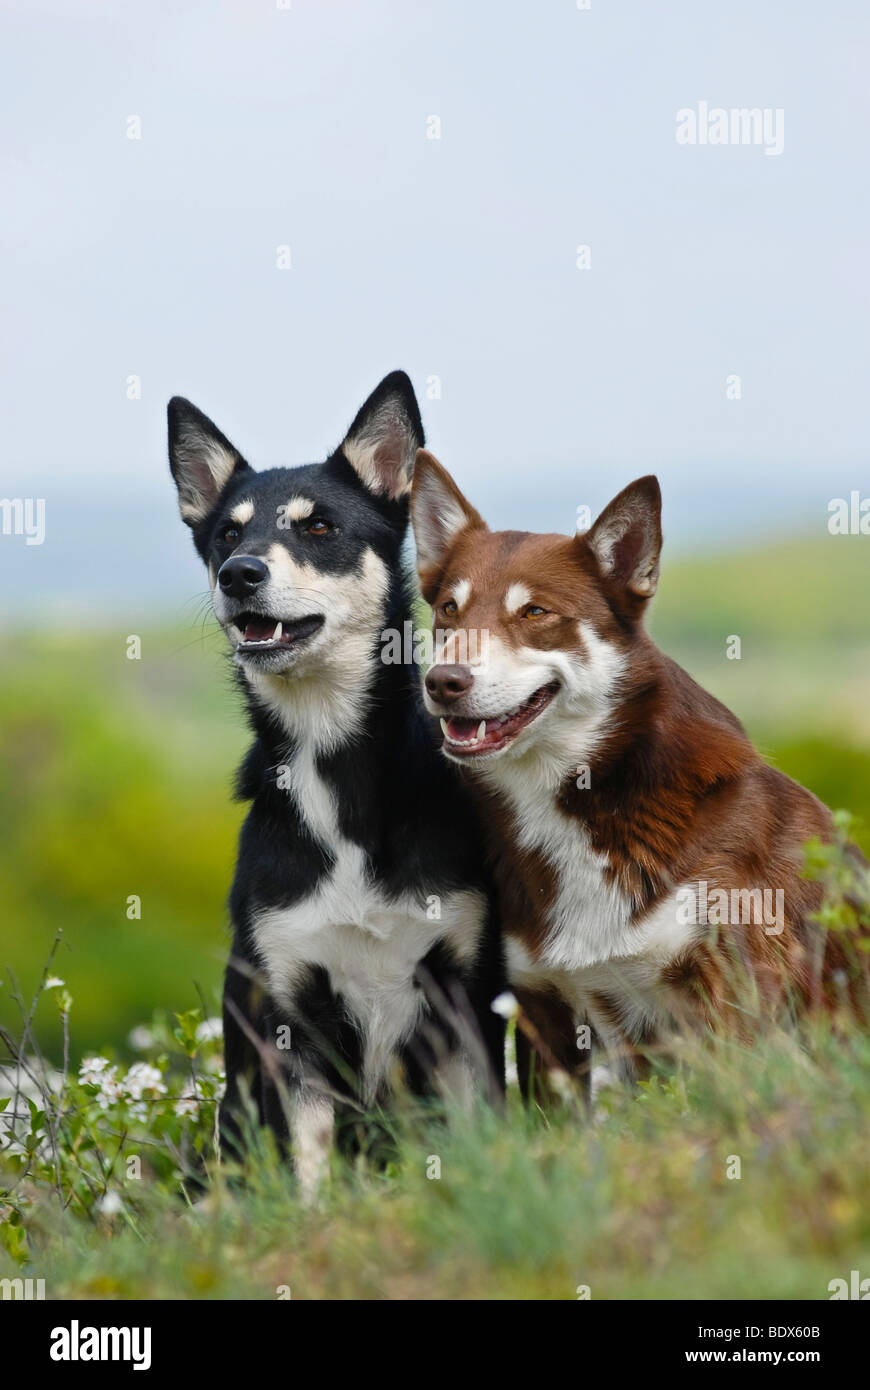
(332, 738)
(322, 710)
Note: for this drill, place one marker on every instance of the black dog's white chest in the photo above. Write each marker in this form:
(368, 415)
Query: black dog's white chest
(368, 941)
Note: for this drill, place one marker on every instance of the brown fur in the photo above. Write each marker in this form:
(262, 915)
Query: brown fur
(678, 793)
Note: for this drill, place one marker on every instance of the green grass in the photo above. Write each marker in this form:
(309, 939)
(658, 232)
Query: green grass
(641, 1204)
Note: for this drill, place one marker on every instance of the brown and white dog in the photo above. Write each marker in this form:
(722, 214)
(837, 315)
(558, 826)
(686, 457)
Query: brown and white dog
(640, 842)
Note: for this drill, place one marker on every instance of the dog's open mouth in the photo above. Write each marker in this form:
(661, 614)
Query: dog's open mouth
(262, 634)
(469, 738)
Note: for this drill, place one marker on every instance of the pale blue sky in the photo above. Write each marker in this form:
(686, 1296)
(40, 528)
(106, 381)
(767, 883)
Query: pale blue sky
(307, 127)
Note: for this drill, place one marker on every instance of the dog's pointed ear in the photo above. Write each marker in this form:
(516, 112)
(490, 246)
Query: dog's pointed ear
(439, 515)
(383, 440)
(201, 458)
(626, 540)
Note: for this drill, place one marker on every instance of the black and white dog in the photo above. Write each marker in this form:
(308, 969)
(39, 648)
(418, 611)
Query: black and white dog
(364, 939)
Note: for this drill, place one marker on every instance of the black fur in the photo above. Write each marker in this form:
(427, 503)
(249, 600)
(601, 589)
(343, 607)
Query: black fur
(395, 797)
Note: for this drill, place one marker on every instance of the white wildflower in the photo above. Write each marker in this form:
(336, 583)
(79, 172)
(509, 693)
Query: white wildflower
(110, 1204)
(54, 982)
(505, 1005)
(209, 1030)
(143, 1077)
(92, 1069)
(188, 1101)
(111, 1090)
(141, 1038)
(97, 1071)
(560, 1081)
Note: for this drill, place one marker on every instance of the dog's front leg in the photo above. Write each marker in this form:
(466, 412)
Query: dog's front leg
(458, 1081)
(312, 1127)
(298, 1102)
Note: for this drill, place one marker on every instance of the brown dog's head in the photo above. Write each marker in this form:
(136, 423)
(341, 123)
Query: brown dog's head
(533, 632)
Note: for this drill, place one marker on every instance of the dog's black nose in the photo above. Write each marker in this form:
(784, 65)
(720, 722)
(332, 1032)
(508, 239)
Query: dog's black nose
(446, 683)
(241, 574)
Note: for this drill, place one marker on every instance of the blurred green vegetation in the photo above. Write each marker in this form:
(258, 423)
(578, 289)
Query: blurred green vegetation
(115, 774)
(801, 686)
(115, 780)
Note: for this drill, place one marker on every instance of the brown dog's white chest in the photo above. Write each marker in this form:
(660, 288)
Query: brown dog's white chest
(592, 943)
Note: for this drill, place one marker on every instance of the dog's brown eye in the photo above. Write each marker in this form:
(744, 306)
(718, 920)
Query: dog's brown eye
(449, 608)
(230, 534)
(318, 527)
(532, 610)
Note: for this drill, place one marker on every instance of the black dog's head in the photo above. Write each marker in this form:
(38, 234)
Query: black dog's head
(301, 560)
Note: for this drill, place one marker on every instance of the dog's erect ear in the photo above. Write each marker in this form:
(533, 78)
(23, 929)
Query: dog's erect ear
(439, 515)
(626, 540)
(383, 440)
(201, 458)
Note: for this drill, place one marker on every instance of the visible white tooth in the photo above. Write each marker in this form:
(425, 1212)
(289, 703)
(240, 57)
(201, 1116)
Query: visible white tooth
(481, 729)
(444, 728)
(277, 634)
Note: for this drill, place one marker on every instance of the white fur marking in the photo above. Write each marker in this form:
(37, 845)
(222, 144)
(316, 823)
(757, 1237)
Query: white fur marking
(312, 1121)
(461, 592)
(516, 598)
(298, 508)
(370, 946)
